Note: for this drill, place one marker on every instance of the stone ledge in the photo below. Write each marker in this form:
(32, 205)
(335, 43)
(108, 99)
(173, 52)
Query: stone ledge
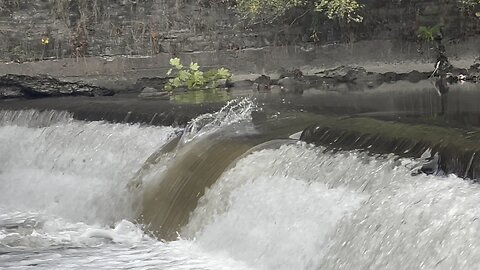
(457, 148)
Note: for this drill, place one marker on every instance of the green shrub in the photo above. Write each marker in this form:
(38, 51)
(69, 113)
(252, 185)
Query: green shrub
(426, 33)
(193, 78)
(340, 9)
(270, 10)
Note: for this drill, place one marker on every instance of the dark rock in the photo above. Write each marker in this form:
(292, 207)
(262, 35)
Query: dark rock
(295, 73)
(224, 84)
(344, 74)
(150, 92)
(45, 86)
(153, 82)
(474, 73)
(7, 92)
(242, 84)
(371, 79)
(416, 76)
(263, 80)
(291, 85)
(317, 81)
(262, 83)
(391, 77)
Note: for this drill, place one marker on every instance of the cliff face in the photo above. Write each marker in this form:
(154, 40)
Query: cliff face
(39, 29)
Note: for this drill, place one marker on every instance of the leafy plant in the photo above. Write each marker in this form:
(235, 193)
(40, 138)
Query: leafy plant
(470, 7)
(340, 9)
(271, 9)
(428, 33)
(468, 3)
(193, 78)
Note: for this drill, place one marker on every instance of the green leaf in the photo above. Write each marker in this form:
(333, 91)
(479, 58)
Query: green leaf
(175, 62)
(169, 72)
(223, 73)
(194, 66)
(177, 82)
(183, 75)
(477, 14)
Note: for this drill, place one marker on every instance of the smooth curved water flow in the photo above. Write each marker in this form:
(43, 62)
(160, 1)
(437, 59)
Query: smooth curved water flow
(95, 195)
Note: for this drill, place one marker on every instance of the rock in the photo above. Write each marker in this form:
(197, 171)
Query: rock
(264, 79)
(153, 82)
(224, 84)
(7, 92)
(150, 92)
(243, 84)
(46, 86)
(262, 83)
(416, 76)
(295, 73)
(391, 77)
(344, 74)
(474, 73)
(291, 85)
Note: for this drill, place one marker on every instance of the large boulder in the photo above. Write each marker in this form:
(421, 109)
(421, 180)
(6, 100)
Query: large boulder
(15, 86)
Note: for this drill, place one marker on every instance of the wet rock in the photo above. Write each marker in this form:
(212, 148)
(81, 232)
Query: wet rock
(391, 77)
(224, 84)
(7, 92)
(262, 83)
(295, 73)
(291, 85)
(46, 86)
(150, 92)
(474, 73)
(153, 82)
(344, 74)
(243, 84)
(416, 76)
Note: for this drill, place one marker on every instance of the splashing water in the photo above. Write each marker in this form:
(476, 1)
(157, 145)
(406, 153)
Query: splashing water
(234, 111)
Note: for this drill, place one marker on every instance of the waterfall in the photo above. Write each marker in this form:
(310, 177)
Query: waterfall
(224, 193)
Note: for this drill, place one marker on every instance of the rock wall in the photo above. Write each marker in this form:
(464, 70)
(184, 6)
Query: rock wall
(43, 29)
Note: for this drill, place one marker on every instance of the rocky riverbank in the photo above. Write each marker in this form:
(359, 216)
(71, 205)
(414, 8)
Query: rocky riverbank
(293, 81)
(22, 86)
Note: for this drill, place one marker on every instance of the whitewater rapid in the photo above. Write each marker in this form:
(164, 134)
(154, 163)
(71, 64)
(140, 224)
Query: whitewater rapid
(65, 203)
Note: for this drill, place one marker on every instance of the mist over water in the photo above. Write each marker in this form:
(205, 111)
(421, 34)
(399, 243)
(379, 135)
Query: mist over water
(66, 204)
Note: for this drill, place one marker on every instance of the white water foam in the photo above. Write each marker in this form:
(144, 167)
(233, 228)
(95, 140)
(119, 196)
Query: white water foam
(294, 207)
(41, 242)
(64, 185)
(74, 169)
(299, 208)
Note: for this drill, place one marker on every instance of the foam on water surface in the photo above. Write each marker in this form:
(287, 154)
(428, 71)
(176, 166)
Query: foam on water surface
(74, 169)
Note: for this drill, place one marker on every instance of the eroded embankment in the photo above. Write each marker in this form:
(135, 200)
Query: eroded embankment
(457, 149)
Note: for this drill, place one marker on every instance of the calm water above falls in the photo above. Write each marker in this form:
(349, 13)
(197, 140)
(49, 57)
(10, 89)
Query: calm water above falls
(67, 202)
